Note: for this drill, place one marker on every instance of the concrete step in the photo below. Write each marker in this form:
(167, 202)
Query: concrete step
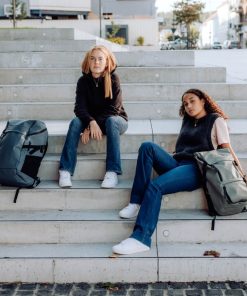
(73, 59)
(92, 166)
(162, 132)
(87, 195)
(135, 110)
(138, 132)
(66, 263)
(104, 226)
(37, 34)
(185, 262)
(46, 45)
(131, 91)
(89, 167)
(126, 74)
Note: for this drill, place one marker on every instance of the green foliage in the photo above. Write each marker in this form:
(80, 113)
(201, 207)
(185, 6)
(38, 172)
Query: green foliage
(187, 12)
(194, 36)
(140, 40)
(118, 40)
(19, 6)
(114, 30)
(112, 36)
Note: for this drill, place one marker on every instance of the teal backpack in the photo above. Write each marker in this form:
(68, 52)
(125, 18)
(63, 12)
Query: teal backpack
(23, 145)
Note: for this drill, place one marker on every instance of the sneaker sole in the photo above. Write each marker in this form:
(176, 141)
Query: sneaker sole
(127, 217)
(108, 187)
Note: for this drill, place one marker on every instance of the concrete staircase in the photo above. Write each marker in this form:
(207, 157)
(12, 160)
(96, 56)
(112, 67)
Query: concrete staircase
(66, 235)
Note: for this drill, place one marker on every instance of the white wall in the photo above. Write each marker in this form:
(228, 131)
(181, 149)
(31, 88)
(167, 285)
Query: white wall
(64, 5)
(148, 28)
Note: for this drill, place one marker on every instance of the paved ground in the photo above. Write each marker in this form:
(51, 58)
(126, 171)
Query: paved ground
(235, 61)
(107, 289)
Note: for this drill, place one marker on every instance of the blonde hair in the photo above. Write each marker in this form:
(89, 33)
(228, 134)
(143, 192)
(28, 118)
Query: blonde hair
(210, 105)
(111, 64)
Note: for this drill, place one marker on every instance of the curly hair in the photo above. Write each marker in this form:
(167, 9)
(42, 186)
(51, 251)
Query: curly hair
(210, 105)
(111, 65)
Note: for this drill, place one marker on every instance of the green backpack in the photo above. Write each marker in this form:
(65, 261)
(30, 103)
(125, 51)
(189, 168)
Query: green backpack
(223, 183)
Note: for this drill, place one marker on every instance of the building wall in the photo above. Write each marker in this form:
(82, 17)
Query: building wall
(64, 5)
(221, 25)
(59, 6)
(3, 2)
(243, 21)
(123, 8)
(148, 28)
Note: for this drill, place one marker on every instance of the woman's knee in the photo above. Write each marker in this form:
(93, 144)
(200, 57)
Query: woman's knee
(116, 124)
(111, 122)
(75, 125)
(146, 146)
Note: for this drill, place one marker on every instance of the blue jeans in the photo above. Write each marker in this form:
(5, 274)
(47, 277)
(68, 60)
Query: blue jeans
(114, 126)
(173, 177)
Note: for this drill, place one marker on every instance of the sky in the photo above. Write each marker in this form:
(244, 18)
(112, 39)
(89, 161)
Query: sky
(167, 5)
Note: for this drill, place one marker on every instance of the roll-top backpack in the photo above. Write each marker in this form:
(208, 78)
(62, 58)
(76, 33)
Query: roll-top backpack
(23, 145)
(223, 182)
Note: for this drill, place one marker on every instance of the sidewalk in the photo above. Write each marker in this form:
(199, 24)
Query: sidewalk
(235, 61)
(125, 289)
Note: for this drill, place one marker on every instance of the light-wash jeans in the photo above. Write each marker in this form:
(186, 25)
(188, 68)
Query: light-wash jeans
(114, 126)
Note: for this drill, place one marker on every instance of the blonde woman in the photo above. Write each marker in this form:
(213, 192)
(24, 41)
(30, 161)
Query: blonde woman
(99, 111)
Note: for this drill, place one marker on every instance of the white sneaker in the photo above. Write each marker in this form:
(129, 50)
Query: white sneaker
(110, 180)
(64, 179)
(129, 246)
(130, 211)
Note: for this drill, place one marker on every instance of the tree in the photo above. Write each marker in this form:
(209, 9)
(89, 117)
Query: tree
(18, 11)
(194, 36)
(187, 12)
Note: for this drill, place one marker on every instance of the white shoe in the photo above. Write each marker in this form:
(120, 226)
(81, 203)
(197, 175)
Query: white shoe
(130, 211)
(64, 179)
(129, 246)
(110, 180)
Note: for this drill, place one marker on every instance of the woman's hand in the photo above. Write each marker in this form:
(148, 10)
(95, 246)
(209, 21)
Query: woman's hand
(95, 130)
(85, 136)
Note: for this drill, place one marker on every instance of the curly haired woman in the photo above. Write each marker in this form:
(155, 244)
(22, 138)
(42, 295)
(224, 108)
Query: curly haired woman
(204, 128)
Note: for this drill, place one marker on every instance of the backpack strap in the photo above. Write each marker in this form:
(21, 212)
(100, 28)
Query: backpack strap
(211, 210)
(213, 223)
(36, 182)
(41, 148)
(16, 194)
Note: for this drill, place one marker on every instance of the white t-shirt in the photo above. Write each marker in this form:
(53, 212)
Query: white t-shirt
(220, 132)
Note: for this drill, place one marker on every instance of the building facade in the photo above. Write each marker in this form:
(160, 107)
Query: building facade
(53, 9)
(242, 10)
(228, 22)
(135, 18)
(125, 8)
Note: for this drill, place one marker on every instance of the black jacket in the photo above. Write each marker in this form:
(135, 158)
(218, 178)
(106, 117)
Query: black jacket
(91, 103)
